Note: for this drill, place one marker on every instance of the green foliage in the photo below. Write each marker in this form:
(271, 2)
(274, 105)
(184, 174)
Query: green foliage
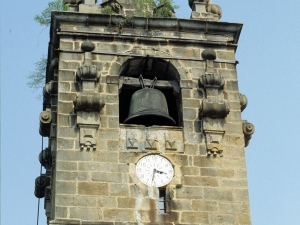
(107, 10)
(155, 8)
(178, 186)
(36, 79)
(44, 18)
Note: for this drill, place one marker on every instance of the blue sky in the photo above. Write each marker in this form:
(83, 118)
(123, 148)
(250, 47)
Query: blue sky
(268, 75)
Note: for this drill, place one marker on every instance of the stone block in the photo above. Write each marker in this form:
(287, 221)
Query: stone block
(63, 143)
(193, 138)
(65, 187)
(91, 214)
(126, 202)
(194, 217)
(178, 160)
(191, 149)
(65, 56)
(119, 189)
(61, 212)
(71, 176)
(203, 161)
(190, 113)
(120, 168)
(186, 93)
(112, 89)
(129, 157)
(241, 195)
(190, 103)
(65, 107)
(118, 215)
(233, 183)
(222, 219)
(231, 85)
(66, 75)
(108, 134)
(76, 200)
(225, 55)
(65, 155)
(243, 219)
(92, 188)
(107, 177)
(67, 132)
(107, 202)
(65, 165)
(217, 194)
(228, 74)
(234, 163)
(94, 166)
(181, 205)
(105, 156)
(64, 87)
(230, 208)
(68, 97)
(189, 193)
(113, 145)
(71, 65)
(202, 205)
(66, 45)
(138, 190)
(199, 181)
(189, 171)
(113, 122)
(112, 109)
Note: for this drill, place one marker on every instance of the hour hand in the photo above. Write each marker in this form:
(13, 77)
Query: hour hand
(160, 172)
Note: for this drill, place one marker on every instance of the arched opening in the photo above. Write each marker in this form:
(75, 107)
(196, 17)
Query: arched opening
(167, 83)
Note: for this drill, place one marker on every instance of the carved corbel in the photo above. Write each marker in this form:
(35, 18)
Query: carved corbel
(87, 73)
(214, 109)
(214, 131)
(89, 102)
(243, 101)
(248, 130)
(45, 123)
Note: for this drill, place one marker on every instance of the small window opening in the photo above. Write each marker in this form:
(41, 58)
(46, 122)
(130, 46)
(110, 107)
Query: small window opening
(162, 202)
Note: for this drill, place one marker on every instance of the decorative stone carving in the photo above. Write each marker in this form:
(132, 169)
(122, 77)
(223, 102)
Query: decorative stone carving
(45, 158)
(41, 183)
(89, 102)
(54, 64)
(204, 10)
(87, 73)
(88, 137)
(213, 80)
(214, 109)
(209, 54)
(248, 130)
(171, 145)
(151, 144)
(214, 131)
(134, 139)
(214, 9)
(87, 46)
(243, 101)
(45, 123)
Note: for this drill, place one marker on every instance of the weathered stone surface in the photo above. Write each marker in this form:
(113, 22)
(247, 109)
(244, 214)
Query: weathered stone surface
(202, 205)
(222, 219)
(189, 193)
(92, 188)
(92, 214)
(195, 217)
(118, 215)
(218, 194)
(126, 202)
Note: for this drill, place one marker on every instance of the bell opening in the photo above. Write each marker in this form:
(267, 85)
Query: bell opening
(149, 117)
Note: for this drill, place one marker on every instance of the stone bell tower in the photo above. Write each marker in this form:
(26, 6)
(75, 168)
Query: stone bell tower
(143, 116)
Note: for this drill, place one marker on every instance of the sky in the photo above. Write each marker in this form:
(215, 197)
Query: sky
(268, 74)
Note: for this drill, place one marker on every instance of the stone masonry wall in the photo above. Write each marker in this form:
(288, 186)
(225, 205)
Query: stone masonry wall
(101, 186)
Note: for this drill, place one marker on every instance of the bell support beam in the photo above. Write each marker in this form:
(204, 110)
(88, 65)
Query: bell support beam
(134, 82)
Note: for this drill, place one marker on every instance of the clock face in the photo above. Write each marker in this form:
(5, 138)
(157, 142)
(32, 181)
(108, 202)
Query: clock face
(154, 170)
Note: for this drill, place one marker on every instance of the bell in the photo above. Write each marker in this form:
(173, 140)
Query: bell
(149, 107)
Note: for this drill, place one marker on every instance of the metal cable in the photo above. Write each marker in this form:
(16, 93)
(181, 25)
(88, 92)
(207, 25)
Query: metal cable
(38, 211)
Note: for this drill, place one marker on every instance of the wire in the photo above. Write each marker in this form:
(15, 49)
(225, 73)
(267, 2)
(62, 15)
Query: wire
(38, 211)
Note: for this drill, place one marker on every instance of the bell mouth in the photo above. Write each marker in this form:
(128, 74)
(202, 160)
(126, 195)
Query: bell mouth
(151, 118)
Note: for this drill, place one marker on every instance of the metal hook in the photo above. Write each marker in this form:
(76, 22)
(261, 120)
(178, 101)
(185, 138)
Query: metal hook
(153, 82)
(142, 81)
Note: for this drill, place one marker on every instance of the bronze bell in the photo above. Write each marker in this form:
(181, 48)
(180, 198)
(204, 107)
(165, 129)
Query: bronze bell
(149, 107)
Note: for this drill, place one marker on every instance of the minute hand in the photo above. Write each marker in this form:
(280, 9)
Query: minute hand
(160, 172)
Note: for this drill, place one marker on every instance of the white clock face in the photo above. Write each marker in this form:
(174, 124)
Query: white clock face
(154, 170)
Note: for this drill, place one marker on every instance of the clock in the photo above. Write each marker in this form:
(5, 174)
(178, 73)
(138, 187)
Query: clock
(154, 170)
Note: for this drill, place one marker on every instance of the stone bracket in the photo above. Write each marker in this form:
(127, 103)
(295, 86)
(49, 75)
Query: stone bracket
(88, 137)
(214, 109)
(45, 123)
(248, 130)
(88, 102)
(214, 130)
